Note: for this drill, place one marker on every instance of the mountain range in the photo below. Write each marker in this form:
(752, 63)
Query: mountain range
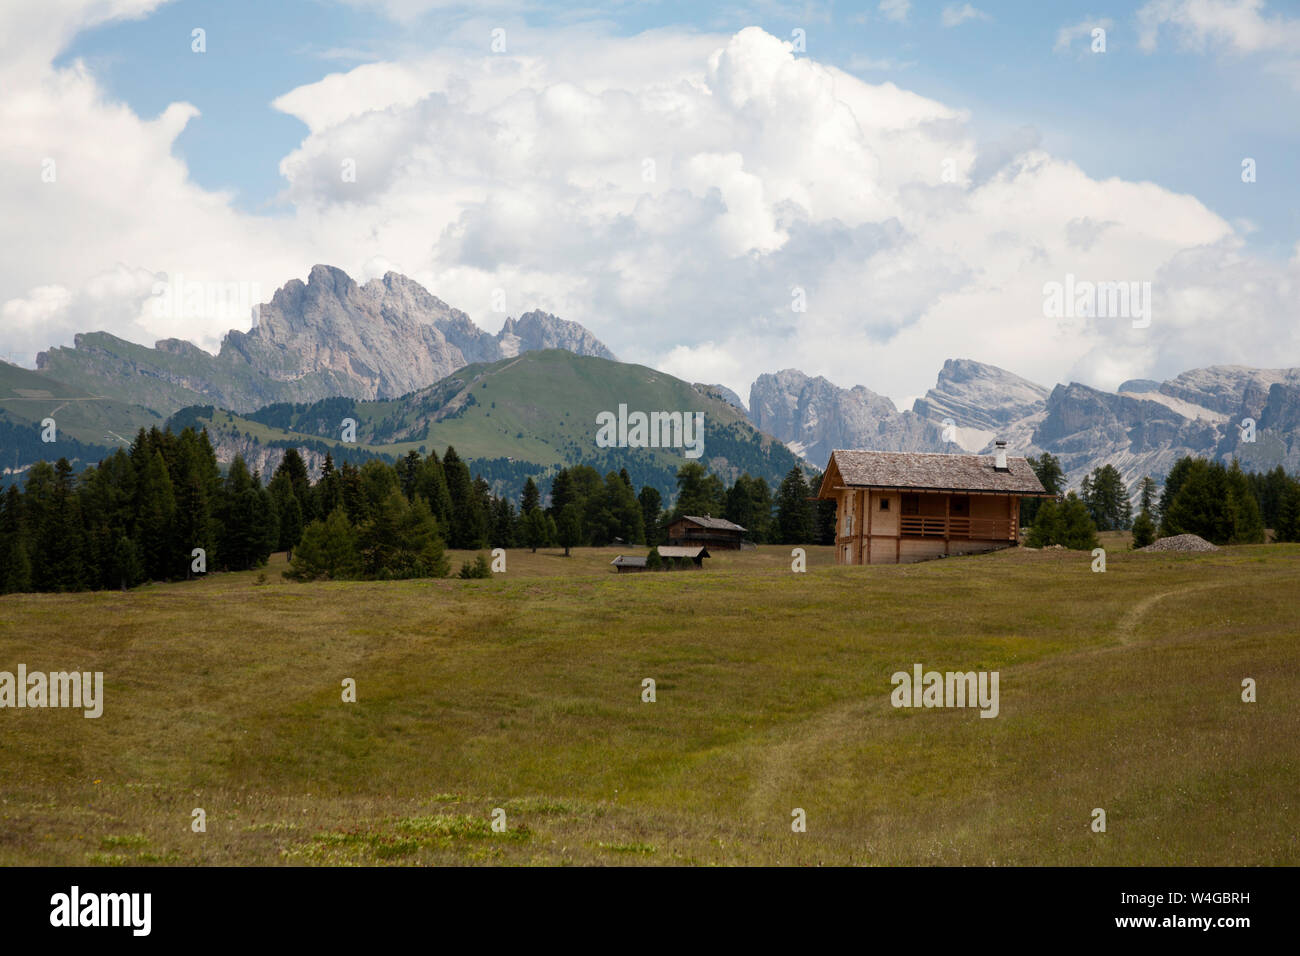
(1142, 428)
(403, 363)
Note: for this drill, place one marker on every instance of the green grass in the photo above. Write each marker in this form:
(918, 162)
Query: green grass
(523, 692)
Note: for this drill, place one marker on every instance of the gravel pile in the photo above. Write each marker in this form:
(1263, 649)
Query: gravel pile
(1181, 542)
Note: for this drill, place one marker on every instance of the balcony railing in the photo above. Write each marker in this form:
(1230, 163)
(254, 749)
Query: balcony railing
(937, 526)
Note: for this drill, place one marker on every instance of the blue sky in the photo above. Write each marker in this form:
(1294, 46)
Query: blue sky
(1181, 118)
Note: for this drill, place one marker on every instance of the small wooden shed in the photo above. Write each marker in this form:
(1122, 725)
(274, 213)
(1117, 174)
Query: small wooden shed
(696, 553)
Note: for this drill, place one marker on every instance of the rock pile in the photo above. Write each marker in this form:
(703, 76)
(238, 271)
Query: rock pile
(1181, 542)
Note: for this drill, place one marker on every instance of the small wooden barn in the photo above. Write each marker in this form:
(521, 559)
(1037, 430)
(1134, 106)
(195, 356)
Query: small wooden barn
(672, 557)
(696, 553)
(898, 507)
(697, 530)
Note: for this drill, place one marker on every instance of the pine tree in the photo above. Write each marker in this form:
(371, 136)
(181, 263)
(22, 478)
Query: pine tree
(194, 520)
(327, 495)
(156, 522)
(1066, 523)
(536, 531)
(795, 519)
(569, 527)
(624, 510)
(532, 498)
(1144, 529)
(1147, 496)
(1247, 525)
(1078, 531)
(408, 473)
(504, 523)
(1287, 527)
(431, 485)
(1051, 476)
(15, 565)
(1104, 495)
(295, 469)
(698, 492)
(424, 552)
(125, 569)
(354, 501)
(289, 511)
(651, 505)
(328, 551)
(562, 492)
(468, 530)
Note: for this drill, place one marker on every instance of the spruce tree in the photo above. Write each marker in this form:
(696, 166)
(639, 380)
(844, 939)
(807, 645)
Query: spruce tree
(795, 517)
(532, 498)
(569, 528)
(651, 503)
(536, 531)
(1144, 530)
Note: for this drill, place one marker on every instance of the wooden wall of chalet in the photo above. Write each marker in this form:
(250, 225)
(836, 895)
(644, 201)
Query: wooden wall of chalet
(871, 529)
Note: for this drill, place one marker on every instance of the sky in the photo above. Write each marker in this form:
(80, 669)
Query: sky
(860, 191)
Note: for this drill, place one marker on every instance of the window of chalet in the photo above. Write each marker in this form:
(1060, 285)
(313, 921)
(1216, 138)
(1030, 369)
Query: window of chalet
(960, 506)
(911, 504)
(884, 504)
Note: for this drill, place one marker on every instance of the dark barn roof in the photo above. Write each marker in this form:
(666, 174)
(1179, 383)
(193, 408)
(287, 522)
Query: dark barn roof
(672, 551)
(713, 524)
(928, 471)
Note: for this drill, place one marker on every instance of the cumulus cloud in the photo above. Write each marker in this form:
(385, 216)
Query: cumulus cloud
(712, 205)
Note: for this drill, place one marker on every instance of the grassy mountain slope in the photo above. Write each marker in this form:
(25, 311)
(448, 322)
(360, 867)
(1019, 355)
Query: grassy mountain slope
(88, 423)
(529, 414)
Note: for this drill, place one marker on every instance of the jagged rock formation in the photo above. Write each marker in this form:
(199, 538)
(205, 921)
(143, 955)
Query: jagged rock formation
(323, 338)
(813, 416)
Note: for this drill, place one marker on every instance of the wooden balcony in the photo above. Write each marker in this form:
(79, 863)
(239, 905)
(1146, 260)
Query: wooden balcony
(955, 528)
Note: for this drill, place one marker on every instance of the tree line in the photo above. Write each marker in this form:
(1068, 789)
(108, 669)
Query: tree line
(164, 511)
(1221, 503)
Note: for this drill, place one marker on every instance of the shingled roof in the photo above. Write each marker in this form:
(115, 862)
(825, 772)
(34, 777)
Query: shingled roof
(928, 471)
(715, 524)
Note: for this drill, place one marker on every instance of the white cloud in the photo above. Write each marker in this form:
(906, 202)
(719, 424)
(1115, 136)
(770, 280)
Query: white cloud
(1239, 25)
(528, 172)
(895, 10)
(954, 15)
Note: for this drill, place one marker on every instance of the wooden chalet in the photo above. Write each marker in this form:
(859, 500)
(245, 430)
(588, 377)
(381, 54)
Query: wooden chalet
(696, 530)
(899, 507)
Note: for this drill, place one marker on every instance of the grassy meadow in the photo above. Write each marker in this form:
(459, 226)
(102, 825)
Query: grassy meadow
(1119, 690)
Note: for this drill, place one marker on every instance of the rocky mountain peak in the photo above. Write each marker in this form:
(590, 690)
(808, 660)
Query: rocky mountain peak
(538, 330)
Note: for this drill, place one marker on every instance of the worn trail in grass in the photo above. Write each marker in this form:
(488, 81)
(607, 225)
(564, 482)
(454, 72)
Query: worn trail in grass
(1119, 690)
